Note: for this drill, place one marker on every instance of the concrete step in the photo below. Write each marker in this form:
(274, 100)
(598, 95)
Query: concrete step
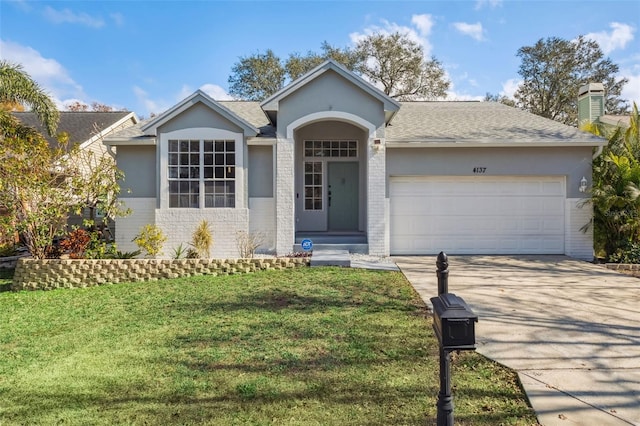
(331, 258)
(351, 248)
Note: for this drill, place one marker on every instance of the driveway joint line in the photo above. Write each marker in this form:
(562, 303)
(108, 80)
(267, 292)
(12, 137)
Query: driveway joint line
(569, 394)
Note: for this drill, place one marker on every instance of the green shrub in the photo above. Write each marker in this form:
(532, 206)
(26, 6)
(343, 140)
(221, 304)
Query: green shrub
(7, 249)
(150, 239)
(179, 252)
(630, 253)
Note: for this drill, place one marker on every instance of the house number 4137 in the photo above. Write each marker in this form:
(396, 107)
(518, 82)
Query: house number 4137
(479, 170)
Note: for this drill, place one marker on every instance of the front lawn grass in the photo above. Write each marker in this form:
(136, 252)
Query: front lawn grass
(312, 346)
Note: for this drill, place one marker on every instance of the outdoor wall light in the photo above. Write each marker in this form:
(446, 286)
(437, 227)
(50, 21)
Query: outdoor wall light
(377, 145)
(583, 184)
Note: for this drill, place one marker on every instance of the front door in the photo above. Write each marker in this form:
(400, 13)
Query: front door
(343, 199)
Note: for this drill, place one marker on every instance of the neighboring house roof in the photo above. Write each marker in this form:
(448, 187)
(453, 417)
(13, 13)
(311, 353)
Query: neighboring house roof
(615, 120)
(81, 126)
(271, 104)
(150, 127)
(483, 123)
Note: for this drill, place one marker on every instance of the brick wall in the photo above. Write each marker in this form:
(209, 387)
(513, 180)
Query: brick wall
(376, 202)
(285, 230)
(142, 213)
(179, 224)
(49, 274)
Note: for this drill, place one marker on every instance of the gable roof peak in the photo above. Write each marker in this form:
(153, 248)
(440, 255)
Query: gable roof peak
(199, 96)
(272, 102)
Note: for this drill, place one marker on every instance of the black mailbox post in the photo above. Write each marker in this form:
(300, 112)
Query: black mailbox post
(454, 324)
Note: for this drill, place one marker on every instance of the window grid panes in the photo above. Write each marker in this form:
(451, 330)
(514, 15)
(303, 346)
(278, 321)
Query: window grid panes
(201, 169)
(313, 185)
(335, 149)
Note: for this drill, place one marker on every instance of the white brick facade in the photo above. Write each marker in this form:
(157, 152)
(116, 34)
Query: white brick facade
(262, 219)
(377, 219)
(179, 224)
(142, 213)
(285, 225)
(578, 244)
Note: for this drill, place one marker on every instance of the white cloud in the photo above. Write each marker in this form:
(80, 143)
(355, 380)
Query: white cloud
(47, 72)
(474, 31)
(423, 23)
(68, 16)
(23, 5)
(620, 35)
(631, 90)
(510, 86)
(150, 105)
(490, 3)
(213, 90)
(117, 18)
(418, 32)
(216, 92)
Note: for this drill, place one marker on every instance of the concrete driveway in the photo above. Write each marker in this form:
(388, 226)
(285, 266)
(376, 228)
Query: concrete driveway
(570, 329)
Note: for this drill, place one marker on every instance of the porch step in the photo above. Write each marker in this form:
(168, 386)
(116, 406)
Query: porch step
(332, 238)
(351, 248)
(330, 258)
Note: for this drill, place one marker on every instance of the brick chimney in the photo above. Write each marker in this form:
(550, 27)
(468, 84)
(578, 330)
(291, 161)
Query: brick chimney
(590, 103)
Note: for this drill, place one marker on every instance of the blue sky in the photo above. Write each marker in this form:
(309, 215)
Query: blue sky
(147, 55)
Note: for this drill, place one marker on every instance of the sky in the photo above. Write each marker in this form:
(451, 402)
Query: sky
(146, 56)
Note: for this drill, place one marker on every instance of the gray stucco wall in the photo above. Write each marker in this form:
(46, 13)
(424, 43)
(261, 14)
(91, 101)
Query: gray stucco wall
(198, 115)
(329, 92)
(139, 166)
(260, 166)
(574, 163)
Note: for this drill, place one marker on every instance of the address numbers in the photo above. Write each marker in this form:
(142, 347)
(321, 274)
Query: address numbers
(479, 170)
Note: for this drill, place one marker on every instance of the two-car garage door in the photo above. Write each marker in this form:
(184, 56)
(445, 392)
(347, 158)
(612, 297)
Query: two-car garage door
(477, 215)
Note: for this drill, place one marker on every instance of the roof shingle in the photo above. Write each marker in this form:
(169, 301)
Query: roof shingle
(81, 126)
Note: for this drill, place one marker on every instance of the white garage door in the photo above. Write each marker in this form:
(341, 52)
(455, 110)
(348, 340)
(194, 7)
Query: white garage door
(477, 215)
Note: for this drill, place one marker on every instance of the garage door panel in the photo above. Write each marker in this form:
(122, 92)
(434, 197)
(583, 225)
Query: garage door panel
(477, 215)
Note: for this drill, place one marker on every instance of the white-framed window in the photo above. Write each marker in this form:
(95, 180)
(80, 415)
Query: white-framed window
(201, 173)
(313, 185)
(332, 148)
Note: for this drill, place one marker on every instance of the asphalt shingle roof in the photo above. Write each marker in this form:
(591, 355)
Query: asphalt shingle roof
(477, 122)
(80, 126)
(439, 122)
(251, 112)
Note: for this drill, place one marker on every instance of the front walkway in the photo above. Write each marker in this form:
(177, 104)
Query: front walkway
(570, 329)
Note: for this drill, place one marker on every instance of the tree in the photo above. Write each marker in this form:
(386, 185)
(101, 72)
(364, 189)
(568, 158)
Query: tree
(17, 87)
(616, 189)
(97, 185)
(256, 77)
(298, 65)
(393, 61)
(554, 69)
(397, 63)
(78, 106)
(503, 99)
(33, 189)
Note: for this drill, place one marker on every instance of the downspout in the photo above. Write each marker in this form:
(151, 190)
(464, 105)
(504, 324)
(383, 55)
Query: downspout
(113, 154)
(598, 152)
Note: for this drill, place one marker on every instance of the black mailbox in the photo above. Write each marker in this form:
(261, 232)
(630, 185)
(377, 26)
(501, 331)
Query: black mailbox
(454, 322)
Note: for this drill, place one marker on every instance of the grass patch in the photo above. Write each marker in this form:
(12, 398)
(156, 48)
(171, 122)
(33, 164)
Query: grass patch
(320, 346)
